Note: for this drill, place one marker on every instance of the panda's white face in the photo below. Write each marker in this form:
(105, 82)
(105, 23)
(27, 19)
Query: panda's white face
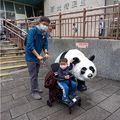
(85, 70)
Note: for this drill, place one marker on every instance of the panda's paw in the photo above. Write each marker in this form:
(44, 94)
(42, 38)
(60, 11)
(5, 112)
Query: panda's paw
(82, 88)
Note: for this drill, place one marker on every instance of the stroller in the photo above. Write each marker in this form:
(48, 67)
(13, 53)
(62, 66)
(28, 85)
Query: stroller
(55, 92)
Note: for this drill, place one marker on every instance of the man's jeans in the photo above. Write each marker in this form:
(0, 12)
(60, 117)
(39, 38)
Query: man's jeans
(33, 69)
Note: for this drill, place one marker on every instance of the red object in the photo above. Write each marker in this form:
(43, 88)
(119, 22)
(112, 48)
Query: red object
(49, 28)
(50, 82)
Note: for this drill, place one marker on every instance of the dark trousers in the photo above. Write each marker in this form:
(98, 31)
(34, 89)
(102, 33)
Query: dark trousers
(33, 69)
(101, 32)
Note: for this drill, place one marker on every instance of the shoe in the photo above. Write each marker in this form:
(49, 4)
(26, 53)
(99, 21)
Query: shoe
(38, 90)
(73, 95)
(82, 88)
(66, 101)
(36, 96)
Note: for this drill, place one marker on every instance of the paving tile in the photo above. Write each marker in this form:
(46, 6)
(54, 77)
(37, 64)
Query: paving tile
(97, 97)
(22, 117)
(45, 98)
(17, 111)
(36, 104)
(8, 105)
(21, 93)
(8, 85)
(23, 109)
(44, 119)
(86, 102)
(5, 115)
(6, 99)
(19, 82)
(109, 90)
(43, 112)
(63, 114)
(118, 92)
(13, 90)
(115, 116)
(94, 86)
(95, 113)
(20, 101)
(111, 104)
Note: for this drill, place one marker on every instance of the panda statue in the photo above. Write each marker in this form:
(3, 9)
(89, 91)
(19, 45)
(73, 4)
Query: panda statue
(83, 67)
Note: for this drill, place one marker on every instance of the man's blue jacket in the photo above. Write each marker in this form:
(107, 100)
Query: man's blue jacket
(35, 40)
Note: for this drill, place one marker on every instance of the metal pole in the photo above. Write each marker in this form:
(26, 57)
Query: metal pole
(26, 24)
(84, 22)
(118, 24)
(60, 25)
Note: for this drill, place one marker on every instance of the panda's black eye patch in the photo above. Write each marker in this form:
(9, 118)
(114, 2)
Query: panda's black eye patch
(83, 70)
(92, 69)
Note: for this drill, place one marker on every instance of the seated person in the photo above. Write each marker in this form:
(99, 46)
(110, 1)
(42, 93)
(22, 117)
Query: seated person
(64, 81)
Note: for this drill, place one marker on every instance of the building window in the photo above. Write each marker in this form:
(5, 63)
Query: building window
(38, 12)
(19, 9)
(1, 5)
(29, 11)
(9, 6)
(10, 15)
(2, 14)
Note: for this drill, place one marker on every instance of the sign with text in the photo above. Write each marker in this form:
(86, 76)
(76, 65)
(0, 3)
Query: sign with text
(81, 44)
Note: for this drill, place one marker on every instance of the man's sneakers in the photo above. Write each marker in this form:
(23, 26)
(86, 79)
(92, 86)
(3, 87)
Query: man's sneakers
(38, 90)
(36, 96)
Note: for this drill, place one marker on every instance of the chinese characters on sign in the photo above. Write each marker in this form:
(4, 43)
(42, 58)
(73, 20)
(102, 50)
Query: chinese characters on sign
(67, 5)
(81, 45)
(74, 4)
(59, 8)
(52, 9)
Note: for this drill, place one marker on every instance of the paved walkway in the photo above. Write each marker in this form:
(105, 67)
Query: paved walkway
(100, 102)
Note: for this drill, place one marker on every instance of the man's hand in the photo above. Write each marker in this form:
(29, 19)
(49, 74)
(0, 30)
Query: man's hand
(39, 57)
(67, 77)
(46, 56)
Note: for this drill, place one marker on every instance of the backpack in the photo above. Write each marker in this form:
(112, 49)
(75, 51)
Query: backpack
(35, 36)
(50, 81)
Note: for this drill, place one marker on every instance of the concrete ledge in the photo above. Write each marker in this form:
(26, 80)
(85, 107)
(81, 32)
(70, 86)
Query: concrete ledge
(107, 54)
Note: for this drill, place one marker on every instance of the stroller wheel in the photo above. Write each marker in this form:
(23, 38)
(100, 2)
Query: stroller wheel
(49, 103)
(79, 103)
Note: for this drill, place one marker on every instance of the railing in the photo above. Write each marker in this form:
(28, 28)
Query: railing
(14, 33)
(82, 24)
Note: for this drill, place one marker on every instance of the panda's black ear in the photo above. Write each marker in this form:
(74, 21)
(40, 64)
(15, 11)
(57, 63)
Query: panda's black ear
(75, 60)
(92, 58)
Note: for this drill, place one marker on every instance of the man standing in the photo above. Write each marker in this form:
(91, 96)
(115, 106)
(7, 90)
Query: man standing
(37, 41)
(101, 27)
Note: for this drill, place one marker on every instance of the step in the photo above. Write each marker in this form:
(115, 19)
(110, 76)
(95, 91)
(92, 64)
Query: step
(11, 45)
(12, 68)
(4, 74)
(42, 72)
(11, 58)
(4, 42)
(9, 49)
(12, 53)
(11, 63)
